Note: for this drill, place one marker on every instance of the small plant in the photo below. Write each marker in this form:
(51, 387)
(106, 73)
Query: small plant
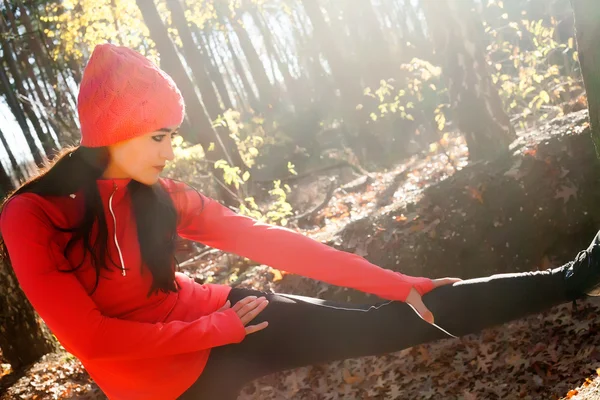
(535, 74)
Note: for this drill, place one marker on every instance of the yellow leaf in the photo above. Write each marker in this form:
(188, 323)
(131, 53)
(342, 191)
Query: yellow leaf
(277, 275)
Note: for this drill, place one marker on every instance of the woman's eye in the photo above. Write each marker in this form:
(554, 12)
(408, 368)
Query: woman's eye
(158, 138)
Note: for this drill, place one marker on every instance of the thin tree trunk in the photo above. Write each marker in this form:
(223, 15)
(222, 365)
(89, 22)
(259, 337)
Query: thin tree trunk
(365, 145)
(228, 77)
(260, 22)
(33, 83)
(21, 63)
(13, 161)
(209, 96)
(257, 69)
(41, 55)
(192, 56)
(196, 112)
(241, 73)
(475, 101)
(587, 15)
(213, 71)
(64, 112)
(13, 102)
(6, 183)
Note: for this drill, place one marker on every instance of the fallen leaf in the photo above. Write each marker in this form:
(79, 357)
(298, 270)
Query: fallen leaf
(475, 193)
(349, 378)
(566, 192)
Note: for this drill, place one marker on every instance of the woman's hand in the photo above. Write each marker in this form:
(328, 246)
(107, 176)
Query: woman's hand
(416, 302)
(247, 309)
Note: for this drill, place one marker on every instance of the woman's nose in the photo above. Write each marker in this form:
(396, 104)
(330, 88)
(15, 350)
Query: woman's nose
(167, 152)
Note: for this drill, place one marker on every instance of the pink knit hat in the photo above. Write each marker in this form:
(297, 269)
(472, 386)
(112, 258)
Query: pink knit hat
(124, 95)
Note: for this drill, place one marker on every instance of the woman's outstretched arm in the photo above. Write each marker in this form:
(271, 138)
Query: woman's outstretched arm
(204, 220)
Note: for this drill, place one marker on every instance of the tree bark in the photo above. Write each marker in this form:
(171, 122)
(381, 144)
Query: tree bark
(23, 337)
(478, 109)
(587, 27)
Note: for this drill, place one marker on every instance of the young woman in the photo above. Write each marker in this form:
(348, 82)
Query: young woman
(91, 241)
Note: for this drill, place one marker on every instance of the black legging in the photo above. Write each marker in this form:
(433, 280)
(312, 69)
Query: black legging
(304, 331)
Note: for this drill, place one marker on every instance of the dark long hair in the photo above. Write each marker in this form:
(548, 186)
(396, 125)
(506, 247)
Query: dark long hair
(78, 168)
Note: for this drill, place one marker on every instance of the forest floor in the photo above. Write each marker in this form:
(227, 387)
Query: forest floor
(552, 355)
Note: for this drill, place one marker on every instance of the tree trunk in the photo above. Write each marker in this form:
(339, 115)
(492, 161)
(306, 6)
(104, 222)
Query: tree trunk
(33, 84)
(199, 120)
(241, 73)
(289, 81)
(266, 90)
(365, 145)
(207, 91)
(15, 106)
(23, 337)
(213, 71)
(10, 56)
(228, 76)
(478, 109)
(6, 183)
(587, 15)
(18, 173)
(41, 57)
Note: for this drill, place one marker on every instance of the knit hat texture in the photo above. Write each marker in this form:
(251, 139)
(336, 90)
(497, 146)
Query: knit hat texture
(123, 95)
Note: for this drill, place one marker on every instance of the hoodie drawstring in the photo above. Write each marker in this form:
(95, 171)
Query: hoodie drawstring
(124, 273)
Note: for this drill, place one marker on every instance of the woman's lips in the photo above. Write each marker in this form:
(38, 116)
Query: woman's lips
(159, 168)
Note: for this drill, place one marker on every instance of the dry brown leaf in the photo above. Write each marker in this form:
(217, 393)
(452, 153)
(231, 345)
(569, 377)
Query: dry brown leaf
(475, 193)
(349, 378)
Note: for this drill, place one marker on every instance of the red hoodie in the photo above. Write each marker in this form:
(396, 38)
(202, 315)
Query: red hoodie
(140, 347)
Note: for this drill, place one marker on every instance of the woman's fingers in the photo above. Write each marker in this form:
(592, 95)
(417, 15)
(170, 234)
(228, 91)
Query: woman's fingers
(255, 328)
(249, 307)
(251, 310)
(416, 302)
(243, 302)
(445, 281)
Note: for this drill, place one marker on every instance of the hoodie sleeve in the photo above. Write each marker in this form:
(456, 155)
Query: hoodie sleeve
(70, 313)
(204, 220)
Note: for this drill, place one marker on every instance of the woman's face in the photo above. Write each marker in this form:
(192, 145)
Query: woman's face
(141, 158)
